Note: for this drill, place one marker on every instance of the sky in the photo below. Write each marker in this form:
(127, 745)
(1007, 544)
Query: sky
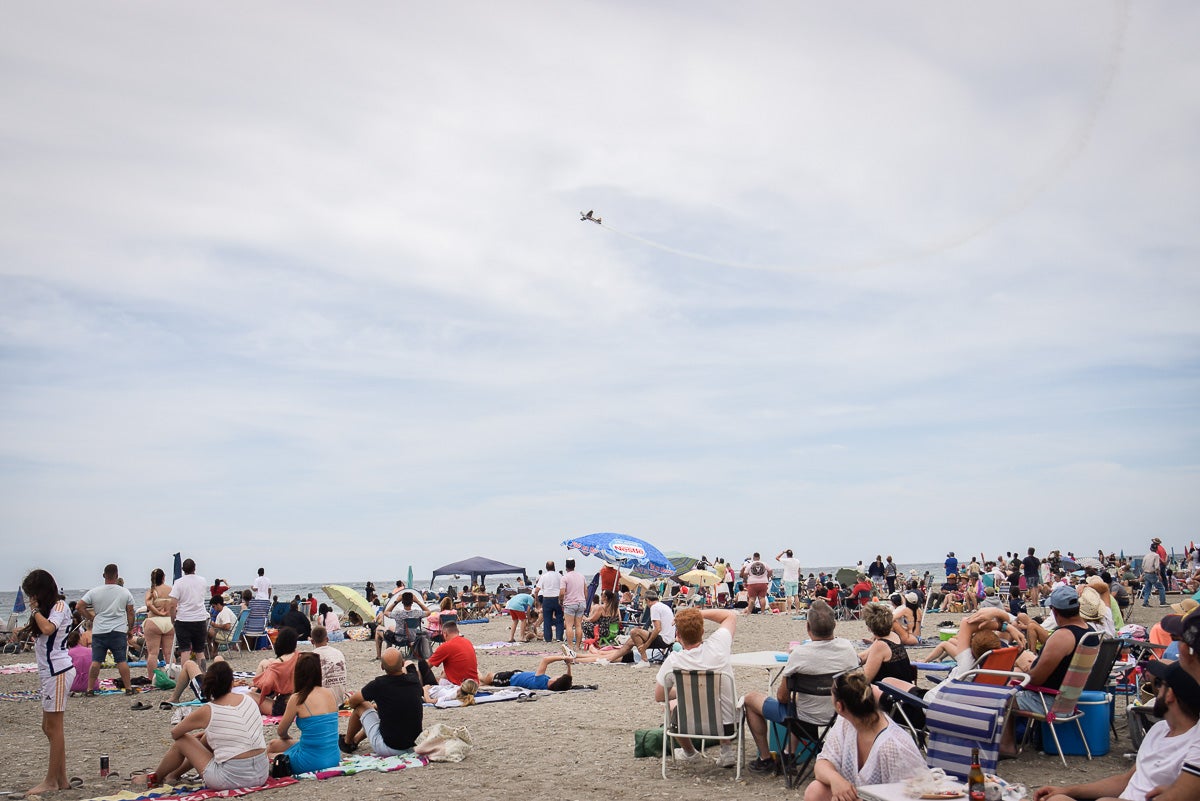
(305, 286)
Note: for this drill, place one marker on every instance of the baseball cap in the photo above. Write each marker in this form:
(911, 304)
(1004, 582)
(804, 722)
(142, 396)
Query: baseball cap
(1190, 630)
(1064, 599)
(1178, 679)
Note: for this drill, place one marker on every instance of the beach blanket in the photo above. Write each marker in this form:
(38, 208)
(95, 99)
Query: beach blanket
(21, 695)
(191, 791)
(507, 694)
(369, 762)
(474, 620)
(349, 766)
(21, 667)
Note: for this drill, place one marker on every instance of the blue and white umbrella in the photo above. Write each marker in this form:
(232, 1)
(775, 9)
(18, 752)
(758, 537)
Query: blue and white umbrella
(621, 550)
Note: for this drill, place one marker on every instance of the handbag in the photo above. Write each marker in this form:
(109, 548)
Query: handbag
(281, 766)
(442, 743)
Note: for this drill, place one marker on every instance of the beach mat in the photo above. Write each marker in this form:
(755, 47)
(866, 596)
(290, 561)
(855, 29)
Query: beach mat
(21, 695)
(21, 667)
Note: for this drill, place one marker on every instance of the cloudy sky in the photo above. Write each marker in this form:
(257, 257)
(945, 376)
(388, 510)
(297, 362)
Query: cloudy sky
(306, 286)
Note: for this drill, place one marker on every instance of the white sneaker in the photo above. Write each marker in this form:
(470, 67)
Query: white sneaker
(684, 756)
(643, 664)
(569, 651)
(727, 758)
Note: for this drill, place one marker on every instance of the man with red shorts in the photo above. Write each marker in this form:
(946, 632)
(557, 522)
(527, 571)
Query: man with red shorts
(757, 577)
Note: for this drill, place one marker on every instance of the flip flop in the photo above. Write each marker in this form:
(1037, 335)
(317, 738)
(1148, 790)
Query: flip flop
(140, 706)
(527, 698)
(75, 782)
(166, 706)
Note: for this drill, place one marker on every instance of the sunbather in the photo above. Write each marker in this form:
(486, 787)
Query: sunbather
(533, 680)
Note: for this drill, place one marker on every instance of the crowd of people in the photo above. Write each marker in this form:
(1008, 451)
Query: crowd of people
(1041, 605)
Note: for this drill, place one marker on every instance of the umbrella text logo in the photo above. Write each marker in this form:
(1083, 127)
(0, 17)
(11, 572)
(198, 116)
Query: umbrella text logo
(629, 549)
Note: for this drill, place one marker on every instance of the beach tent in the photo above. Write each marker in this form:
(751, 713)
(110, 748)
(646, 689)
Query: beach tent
(477, 567)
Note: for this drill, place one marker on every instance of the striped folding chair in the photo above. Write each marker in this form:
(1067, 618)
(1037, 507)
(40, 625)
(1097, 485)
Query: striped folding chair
(697, 715)
(1065, 708)
(965, 715)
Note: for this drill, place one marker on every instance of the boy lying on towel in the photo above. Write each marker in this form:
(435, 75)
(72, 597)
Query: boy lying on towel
(530, 680)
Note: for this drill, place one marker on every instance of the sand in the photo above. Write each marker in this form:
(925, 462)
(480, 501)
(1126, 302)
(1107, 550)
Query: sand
(576, 745)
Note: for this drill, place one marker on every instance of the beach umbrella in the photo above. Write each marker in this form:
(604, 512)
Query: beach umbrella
(701, 578)
(682, 562)
(178, 569)
(1089, 561)
(1068, 564)
(349, 600)
(19, 603)
(409, 582)
(847, 576)
(621, 550)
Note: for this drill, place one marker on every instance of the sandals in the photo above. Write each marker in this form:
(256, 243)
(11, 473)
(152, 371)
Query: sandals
(165, 706)
(141, 706)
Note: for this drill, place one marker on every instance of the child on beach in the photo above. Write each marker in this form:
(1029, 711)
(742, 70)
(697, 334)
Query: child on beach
(49, 620)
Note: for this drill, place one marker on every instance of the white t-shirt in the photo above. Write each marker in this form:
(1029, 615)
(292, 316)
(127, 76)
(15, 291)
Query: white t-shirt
(333, 671)
(51, 649)
(262, 588)
(190, 591)
(757, 572)
(712, 654)
(817, 657)
(791, 568)
(109, 602)
(549, 584)
(226, 617)
(1160, 759)
(666, 618)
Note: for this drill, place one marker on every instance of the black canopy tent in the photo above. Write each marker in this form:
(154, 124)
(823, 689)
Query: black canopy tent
(477, 567)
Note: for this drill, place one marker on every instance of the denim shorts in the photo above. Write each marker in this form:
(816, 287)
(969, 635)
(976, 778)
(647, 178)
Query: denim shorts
(114, 641)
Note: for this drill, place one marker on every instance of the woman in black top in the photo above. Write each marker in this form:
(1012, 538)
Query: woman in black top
(886, 657)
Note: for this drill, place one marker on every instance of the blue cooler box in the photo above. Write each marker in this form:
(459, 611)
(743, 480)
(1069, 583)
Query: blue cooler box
(1095, 722)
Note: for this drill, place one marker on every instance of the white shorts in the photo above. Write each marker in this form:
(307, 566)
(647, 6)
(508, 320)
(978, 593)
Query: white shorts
(55, 690)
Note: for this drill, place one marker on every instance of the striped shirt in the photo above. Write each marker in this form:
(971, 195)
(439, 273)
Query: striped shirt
(234, 730)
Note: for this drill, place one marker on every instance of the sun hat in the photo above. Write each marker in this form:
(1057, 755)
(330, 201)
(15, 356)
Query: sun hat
(1185, 606)
(1175, 677)
(1065, 599)
(1089, 604)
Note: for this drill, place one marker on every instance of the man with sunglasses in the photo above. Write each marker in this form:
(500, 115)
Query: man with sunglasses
(1164, 752)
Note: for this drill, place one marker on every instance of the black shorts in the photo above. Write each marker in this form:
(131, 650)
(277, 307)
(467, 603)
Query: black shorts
(191, 635)
(659, 642)
(502, 678)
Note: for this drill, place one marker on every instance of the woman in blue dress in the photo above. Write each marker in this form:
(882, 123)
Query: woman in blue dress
(315, 712)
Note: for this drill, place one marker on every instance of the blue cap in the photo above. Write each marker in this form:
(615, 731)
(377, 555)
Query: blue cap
(1064, 599)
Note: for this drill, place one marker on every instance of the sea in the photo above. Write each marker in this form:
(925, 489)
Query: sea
(288, 591)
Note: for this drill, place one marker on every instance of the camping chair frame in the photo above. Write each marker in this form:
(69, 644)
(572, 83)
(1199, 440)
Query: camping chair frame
(800, 685)
(698, 695)
(235, 635)
(1065, 708)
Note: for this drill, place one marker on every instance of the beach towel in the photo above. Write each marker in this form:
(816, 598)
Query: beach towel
(21, 695)
(364, 763)
(474, 620)
(190, 792)
(507, 694)
(21, 667)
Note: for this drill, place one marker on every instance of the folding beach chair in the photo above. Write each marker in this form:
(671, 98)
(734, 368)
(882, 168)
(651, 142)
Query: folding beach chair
(235, 634)
(697, 715)
(1065, 706)
(802, 758)
(966, 715)
(255, 628)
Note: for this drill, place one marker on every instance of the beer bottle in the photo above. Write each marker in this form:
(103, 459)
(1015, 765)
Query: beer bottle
(975, 790)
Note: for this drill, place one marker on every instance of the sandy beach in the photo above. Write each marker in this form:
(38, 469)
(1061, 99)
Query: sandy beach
(575, 745)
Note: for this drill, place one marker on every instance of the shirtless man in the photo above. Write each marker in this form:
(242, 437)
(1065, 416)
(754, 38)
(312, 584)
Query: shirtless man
(996, 620)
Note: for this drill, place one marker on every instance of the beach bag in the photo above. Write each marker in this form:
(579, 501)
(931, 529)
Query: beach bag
(442, 743)
(281, 766)
(162, 681)
(648, 742)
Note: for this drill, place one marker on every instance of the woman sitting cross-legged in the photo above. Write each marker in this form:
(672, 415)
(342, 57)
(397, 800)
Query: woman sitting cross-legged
(863, 747)
(231, 753)
(315, 712)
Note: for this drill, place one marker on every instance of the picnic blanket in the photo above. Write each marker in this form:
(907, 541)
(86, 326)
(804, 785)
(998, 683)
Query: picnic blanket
(20, 667)
(358, 763)
(507, 694)
(21, 695)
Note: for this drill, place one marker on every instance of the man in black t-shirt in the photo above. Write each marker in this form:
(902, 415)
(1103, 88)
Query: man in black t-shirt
(1032, 567)
(388, 710)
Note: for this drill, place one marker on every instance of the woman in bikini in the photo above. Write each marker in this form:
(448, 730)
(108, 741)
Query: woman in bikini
(158, 628)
